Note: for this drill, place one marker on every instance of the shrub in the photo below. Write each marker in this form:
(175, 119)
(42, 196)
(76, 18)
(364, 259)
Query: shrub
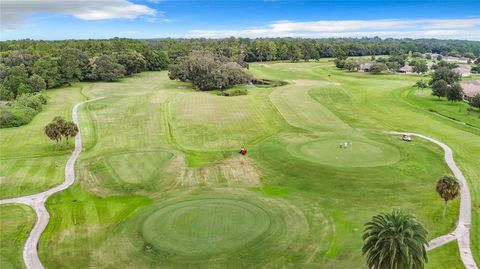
(234, 92)
(378, 68)
(15, 115)
(35, 101)
(266, 83)
(22, 111)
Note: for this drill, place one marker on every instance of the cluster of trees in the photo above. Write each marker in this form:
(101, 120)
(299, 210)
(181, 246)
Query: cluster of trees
(394, 62)
(381, 64)
(445, 83)
(31, 66)
(419, 66)
(206, 70)
(59, 128)
(22, 111)
(397, 239)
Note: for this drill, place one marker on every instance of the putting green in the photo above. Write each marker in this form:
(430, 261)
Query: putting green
(205, 226)
(358, 153)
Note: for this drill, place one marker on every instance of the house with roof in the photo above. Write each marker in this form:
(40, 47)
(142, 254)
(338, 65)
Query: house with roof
(470, 89)
(463, 70)
(406, 69)
(365, 67)
(432, 56)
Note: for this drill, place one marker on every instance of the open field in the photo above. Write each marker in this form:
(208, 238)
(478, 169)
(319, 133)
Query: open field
(29, 161)
(160, 185)
(16, 221)
(457, 112)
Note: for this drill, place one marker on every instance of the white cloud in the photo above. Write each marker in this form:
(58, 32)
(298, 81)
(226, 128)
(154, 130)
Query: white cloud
(426, 28)
(15, 12)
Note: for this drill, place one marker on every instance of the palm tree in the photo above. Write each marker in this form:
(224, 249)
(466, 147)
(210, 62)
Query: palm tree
(395, 240)
(52, 131)
(449, 188)
(71, 130)
(61, 124)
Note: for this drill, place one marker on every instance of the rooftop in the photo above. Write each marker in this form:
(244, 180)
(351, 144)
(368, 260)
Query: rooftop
(471, 87)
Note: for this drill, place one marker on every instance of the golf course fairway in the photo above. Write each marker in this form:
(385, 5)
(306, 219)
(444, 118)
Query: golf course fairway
(160, 182)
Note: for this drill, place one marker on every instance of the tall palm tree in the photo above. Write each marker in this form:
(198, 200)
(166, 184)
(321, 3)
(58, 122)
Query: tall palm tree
(52, 131)
(71, 130)
(395, 240)
(449, 188)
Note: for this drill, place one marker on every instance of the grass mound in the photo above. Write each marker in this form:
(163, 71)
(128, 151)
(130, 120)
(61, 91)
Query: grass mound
(230, 229)
(205, 226)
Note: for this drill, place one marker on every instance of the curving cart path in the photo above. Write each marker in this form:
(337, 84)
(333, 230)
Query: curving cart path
(462, 231)
(37, 201)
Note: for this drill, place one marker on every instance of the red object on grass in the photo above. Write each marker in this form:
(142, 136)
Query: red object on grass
(244, 151)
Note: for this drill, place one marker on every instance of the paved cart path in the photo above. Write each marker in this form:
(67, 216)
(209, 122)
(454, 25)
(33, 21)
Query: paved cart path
(462, 231)
(37, 201)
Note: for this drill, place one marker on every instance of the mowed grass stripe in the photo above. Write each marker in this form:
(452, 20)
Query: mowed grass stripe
(24, 176)
(29, 140)
(201, 121)
(301, 111)
(16, 221)
(28, 159)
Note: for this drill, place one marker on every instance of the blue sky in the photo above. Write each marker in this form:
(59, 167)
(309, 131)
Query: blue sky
(56, 19)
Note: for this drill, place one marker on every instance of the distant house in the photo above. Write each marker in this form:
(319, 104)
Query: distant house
(450, 59)
(406, 69)
(432, 56)
(470, 89)
(365, 67)
(463, 70)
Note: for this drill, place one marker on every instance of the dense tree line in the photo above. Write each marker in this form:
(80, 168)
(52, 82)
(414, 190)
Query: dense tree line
(294, 49)
(29, 66)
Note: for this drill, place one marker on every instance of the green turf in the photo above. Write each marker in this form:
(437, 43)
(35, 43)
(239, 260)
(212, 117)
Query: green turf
(343, 151)
(160, 178)
(446, 256)
(16, 221)
(459, 112)
(29, 161)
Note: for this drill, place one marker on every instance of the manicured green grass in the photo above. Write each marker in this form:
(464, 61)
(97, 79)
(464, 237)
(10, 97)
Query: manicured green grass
(16, 221)
(29, 161)
(21, 176)
(160, 182)
(446, 256)
(205, 122)
(456, 111)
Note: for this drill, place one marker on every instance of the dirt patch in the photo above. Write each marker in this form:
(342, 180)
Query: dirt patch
(234, 171)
